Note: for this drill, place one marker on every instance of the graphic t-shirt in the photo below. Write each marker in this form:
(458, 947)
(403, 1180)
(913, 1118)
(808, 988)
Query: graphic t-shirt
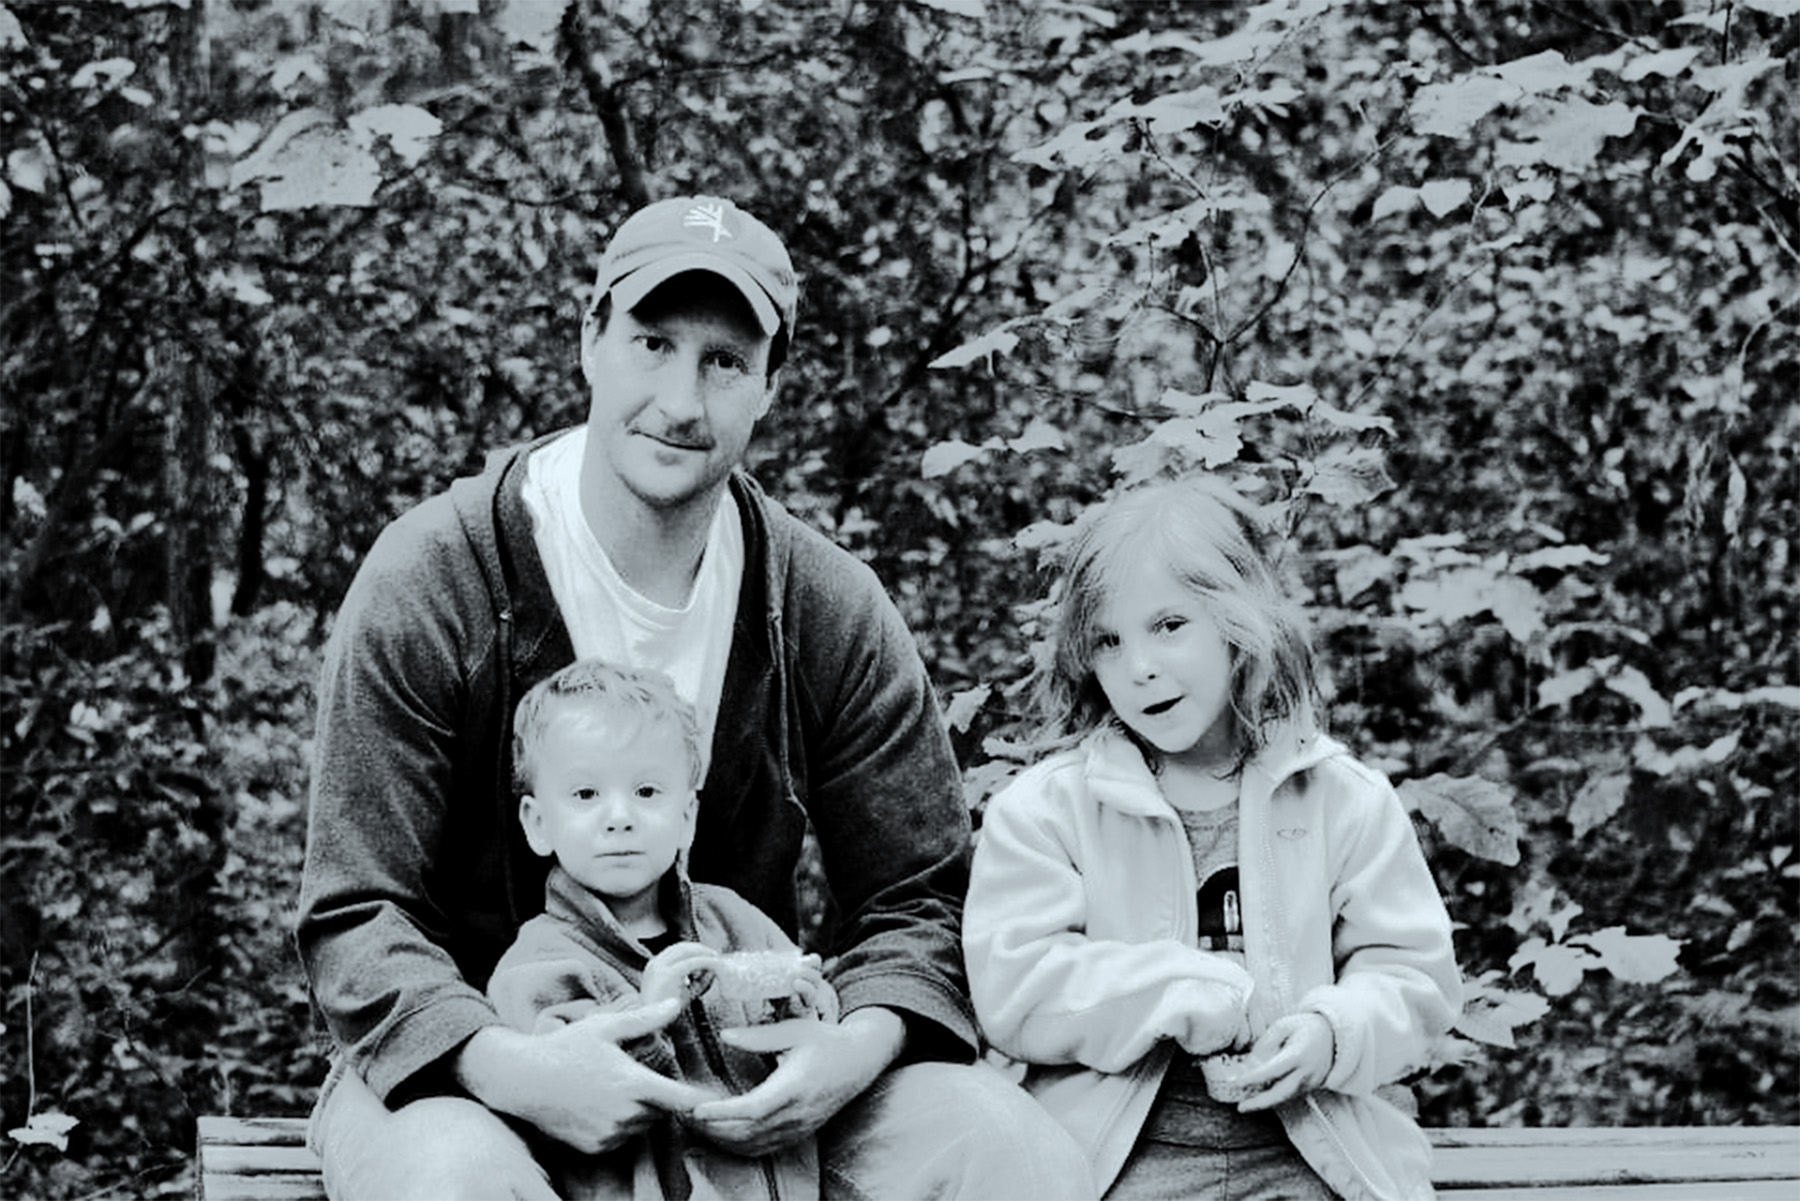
(1213, 835)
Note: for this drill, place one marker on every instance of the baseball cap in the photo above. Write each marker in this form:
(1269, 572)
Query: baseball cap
(700, 233)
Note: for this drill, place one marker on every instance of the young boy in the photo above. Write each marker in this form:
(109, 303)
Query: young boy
(610, 764)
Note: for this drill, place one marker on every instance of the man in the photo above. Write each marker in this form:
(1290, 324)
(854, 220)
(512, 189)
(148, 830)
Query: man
(636, 538)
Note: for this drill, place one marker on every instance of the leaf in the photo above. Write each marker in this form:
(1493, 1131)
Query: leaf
(531, 23)
(995, 341)
(1519, 606)
(1451, 109)
(1559, 558)
(1600, 798)
(1441, 197)
(407, 127)
(1038, 435)
(1635, 958)
(1558, 967)
(1653, 711)
(965, 705)
(1490, 1014)
(1563, 688)
(1474, 814)
(1395, 199)
(1570, 140)
(45, 1129)
(103, 73)
(1664, 62)
(946, 457)
(12, 34)
(1546, 71)
(1349, 477)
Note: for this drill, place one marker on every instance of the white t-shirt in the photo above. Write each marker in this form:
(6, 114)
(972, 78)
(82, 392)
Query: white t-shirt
(609, 619)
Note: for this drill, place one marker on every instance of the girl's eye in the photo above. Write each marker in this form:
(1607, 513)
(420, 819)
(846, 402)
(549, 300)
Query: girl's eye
(1105, 644)
(1169, 625)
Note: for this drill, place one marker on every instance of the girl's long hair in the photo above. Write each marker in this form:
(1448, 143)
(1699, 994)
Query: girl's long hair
(1217, 544)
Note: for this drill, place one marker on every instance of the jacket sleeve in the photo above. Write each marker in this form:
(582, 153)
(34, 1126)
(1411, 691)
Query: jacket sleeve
(545, 979)
(1044, 990)
(885, 798)
(1398, 986)
(376, 944)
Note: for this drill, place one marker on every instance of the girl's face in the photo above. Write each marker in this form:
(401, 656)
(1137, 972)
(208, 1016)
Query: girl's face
(1164, 665)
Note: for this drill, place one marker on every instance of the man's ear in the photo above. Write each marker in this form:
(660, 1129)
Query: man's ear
(590, 346)
(770, 387)
(531, 816)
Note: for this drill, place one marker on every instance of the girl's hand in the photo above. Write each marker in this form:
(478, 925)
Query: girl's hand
(1292, 1057)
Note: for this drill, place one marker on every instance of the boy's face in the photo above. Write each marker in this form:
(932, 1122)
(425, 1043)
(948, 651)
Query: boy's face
(614, 811)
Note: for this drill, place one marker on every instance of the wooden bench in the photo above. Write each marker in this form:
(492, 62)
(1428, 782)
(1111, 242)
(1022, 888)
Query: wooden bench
(265, 1159)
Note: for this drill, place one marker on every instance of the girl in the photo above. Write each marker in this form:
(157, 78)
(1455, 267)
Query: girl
(1199, 871)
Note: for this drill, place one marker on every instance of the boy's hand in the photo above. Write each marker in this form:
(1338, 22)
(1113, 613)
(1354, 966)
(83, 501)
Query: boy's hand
(812, 993)
(1292, 1057)
(823, 1067)
(680, 972)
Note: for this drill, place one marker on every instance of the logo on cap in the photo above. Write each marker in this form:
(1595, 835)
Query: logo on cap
(708, 216)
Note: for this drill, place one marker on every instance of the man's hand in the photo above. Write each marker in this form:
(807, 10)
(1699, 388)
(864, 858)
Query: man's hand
(823, 1068)
(1292, 1057)
(574, 1083)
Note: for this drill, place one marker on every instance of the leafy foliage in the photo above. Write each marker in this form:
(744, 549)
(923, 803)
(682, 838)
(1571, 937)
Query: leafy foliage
(1494, 306)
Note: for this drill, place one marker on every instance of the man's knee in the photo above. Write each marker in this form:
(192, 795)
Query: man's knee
(434, 1149)
(950, 1130)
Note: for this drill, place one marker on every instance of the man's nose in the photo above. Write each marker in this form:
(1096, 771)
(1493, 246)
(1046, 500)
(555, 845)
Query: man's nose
(681, 390)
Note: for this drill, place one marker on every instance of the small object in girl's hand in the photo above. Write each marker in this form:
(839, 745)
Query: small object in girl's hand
(1225, 1077)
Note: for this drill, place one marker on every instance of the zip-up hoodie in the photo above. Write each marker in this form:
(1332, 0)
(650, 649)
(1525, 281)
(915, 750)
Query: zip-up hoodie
(417, 872)
(575, 959)
(1081, 938)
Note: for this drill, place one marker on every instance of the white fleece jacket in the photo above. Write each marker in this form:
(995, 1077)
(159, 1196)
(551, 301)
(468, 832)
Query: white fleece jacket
(1080, 934)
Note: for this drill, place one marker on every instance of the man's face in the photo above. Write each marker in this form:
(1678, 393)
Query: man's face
(676, 386)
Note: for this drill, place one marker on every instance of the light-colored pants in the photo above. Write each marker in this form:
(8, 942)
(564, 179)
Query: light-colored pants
(924, 1132)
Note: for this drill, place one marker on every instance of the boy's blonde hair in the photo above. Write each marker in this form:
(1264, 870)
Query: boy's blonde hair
(1216, 544)
(621, 701)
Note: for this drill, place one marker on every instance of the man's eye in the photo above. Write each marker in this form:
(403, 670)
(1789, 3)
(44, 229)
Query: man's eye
(725, 360)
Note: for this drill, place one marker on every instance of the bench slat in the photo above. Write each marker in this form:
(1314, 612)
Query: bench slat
(1740, 1190)
(1529, 1166)
(266, 1159)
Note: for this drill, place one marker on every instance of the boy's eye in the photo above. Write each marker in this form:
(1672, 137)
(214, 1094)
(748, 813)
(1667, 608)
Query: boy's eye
(584, 793)
(647, 792)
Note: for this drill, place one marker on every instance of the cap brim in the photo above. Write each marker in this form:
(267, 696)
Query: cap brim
(628, 291)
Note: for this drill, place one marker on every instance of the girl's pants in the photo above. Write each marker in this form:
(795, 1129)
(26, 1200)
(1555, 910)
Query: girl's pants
(926, 1130)
(1191, 1146)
